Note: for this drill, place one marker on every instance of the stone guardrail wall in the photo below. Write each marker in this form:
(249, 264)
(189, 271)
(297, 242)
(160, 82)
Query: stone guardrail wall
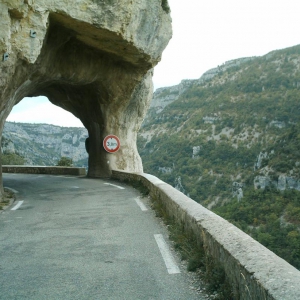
(55, 170)
(254, 271)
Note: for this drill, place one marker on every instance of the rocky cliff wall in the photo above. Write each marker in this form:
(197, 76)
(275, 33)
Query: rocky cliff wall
(44, 144)
(92, 58)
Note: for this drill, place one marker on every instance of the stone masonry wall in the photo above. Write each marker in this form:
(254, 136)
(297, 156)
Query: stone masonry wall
(253, 271)
(44, 170)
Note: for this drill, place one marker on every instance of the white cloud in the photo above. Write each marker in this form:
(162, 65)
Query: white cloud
(207, 33)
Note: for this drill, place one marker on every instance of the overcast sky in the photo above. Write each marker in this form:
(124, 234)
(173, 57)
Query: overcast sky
(206, 33)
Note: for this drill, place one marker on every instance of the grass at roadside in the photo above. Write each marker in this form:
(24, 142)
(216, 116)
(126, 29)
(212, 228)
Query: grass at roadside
(8, 196)
(198, 261)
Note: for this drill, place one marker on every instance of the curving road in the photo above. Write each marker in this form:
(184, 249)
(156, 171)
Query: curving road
(77, 238)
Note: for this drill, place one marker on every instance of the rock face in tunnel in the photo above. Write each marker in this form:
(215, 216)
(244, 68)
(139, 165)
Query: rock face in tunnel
(93, 58)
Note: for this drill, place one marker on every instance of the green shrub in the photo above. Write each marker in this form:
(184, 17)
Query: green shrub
(65, 161)
(165, 6)
(12, 159)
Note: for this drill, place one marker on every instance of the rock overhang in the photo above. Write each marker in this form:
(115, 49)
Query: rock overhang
(92, 58)
(135, 30)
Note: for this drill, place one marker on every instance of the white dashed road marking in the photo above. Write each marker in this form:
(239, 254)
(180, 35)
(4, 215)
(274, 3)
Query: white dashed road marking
(141, 204)
(119, 187)
(18, 205)
(166, 254)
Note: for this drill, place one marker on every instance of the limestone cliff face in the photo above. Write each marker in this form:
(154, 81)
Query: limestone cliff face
(44, 144)
(93, 58)
(139, 29)
(166, 95)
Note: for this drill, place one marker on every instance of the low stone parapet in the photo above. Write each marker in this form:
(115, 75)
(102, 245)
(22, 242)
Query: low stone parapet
(55, 170)
(254, 272)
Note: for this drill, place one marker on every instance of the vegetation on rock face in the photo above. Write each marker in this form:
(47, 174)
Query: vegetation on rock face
(271, 217)
(234, 140)
(9, 156)
(12, 159)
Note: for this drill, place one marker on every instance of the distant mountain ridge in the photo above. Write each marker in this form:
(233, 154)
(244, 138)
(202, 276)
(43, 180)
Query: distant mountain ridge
(44, 144)
(166, 95)
(215, 107)
(231, 141)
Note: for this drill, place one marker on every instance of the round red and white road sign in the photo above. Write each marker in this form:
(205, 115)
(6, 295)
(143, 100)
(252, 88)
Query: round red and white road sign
(111, 143)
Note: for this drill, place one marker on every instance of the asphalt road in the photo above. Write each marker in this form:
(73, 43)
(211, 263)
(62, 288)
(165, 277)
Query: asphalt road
(80, 238)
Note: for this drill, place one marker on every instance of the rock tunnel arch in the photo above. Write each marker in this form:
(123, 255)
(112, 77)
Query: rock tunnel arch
(94, 60)
(92, 86)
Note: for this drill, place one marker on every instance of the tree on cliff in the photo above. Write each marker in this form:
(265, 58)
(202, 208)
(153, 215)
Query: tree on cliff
(12, 159)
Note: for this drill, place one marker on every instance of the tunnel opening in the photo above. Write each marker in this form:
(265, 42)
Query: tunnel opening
(89, 103)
